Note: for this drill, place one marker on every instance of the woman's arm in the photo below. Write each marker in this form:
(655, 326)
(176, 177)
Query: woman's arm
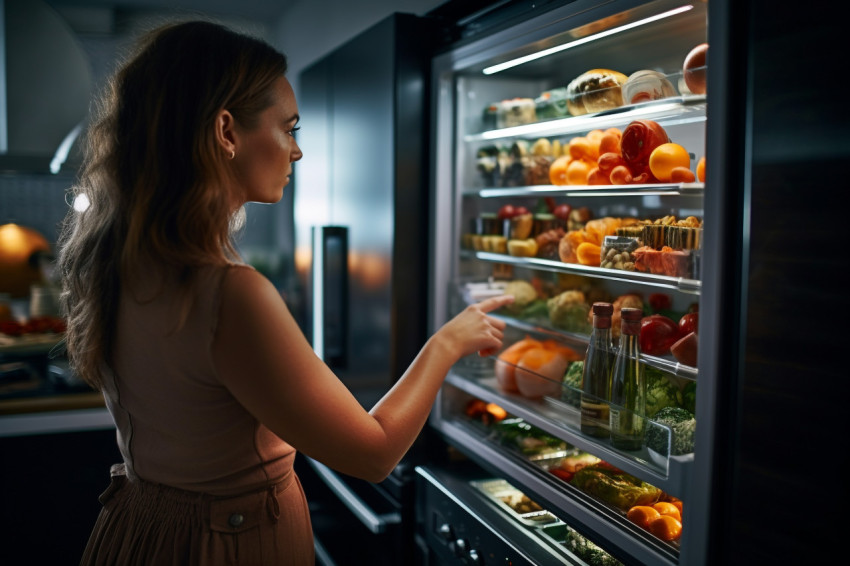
(266, 362)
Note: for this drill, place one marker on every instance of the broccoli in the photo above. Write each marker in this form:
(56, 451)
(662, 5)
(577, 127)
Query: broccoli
(682, 425)
(689, 396)
(571, 392)
(660, 391)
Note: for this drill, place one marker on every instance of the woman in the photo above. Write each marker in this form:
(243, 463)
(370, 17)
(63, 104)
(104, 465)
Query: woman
(210, 381)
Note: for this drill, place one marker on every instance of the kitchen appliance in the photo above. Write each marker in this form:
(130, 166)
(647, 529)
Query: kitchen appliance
(362, 247)
(760, 135)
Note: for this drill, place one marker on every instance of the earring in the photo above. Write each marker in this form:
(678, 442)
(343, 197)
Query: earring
(232, 153)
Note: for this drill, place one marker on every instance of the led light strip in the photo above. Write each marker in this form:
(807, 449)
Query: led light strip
(558, 48)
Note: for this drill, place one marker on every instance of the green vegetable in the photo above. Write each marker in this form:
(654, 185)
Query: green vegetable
(571, 392)
(689, 396)
(527, 438)
(615, 487)
(680, 438)
(589, 552)
(660, 391)
(569, 311)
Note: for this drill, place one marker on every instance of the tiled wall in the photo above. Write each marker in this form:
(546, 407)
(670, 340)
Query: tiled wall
(35, 201)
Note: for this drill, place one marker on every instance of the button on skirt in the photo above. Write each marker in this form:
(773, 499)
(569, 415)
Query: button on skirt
(142, 523)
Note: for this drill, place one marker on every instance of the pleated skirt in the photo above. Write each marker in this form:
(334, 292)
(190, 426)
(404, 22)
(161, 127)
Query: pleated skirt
(142, 523)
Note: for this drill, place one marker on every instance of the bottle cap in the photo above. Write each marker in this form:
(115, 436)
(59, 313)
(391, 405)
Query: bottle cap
(631, 314)
(603, 309)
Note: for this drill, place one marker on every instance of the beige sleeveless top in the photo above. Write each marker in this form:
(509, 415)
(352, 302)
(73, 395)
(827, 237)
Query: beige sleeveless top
(178, 425)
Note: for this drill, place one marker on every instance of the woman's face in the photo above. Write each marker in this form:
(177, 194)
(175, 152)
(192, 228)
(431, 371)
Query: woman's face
(264, 154)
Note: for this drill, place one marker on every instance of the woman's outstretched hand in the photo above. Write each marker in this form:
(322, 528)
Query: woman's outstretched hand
(473, 331)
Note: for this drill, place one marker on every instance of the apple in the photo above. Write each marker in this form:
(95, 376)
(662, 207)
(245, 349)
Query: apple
(562, 211)
(507, 211)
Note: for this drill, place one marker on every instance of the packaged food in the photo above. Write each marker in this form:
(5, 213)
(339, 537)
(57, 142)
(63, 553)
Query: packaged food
(617, 252)
(489, 116)
(552, 104)
(594, 91)
(646, 85)
(516, 112)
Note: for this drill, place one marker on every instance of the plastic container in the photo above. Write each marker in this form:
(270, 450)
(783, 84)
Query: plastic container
(552, 104)
(516, 112)
(617, 252)
(647, 85)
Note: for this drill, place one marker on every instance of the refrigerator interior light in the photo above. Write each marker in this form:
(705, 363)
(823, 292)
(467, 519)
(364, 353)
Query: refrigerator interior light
(564, 46)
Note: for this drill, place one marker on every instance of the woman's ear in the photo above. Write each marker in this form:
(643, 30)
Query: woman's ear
(225, 132)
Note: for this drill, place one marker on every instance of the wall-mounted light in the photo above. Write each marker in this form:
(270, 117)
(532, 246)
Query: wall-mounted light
(558, 48)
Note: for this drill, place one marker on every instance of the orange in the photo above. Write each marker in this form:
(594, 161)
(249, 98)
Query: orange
(665, 157)
(558, 170)
(608, 160)
(577, 172)
(677, 503)
(701, 169)
(667, 508)
(597, 177)
(609, 142)
(642, 515)
(584, 148)
(666, 528)
(620, 175)
(682, 175)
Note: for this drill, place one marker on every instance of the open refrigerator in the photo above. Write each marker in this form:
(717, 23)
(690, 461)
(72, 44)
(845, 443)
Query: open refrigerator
(509, 110)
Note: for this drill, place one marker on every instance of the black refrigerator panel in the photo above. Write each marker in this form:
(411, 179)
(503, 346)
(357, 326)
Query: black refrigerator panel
(365, 172)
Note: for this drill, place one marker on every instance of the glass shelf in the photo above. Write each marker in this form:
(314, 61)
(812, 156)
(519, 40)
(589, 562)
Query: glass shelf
(669, 473)
(680, 284)
(655, 189)
(667, 112)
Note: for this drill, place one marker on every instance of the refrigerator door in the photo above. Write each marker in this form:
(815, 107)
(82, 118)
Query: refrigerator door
(506, 110)
(364, 139)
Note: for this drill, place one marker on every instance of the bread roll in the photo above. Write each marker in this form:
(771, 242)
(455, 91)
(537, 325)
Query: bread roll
(594, 91)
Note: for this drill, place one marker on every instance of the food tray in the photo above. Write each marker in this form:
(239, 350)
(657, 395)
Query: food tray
(514, 502)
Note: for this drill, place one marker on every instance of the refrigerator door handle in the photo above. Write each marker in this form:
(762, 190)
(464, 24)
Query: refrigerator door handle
(376, 523)
(330, 295)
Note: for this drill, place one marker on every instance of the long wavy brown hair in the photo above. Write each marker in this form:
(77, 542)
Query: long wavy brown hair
(159, 185)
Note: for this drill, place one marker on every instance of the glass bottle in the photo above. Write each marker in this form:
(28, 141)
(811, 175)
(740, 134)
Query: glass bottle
(628, 386)
(597, 372)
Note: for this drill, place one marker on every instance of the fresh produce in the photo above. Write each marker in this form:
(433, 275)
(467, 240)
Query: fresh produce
(524, 295)
(666, 528)
(571, 392)
(568, 466)
(660, 392)
(587, 551)
(615, 487)
(660, 301)
(527, 438)
(701, 169)
(689, 322)
(682, 426)
(694, 69)
(533, 368)
(569, 311)
(639, 139)
(667, 508)
(665, 158)
(539, 370)
(657, 334)
(562, 212)
(487, 413)
(685, 349)
(642, 515)
(689, 396)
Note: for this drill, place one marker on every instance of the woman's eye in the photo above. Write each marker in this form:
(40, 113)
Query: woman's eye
(293, 130)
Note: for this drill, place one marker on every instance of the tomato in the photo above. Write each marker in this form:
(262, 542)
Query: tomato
(657, 334)
(660, 301)
(562, 473)
(685, 349)
(507, 211)
(562, 211)
(689, 323)
(520, 210)
(638, 141)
